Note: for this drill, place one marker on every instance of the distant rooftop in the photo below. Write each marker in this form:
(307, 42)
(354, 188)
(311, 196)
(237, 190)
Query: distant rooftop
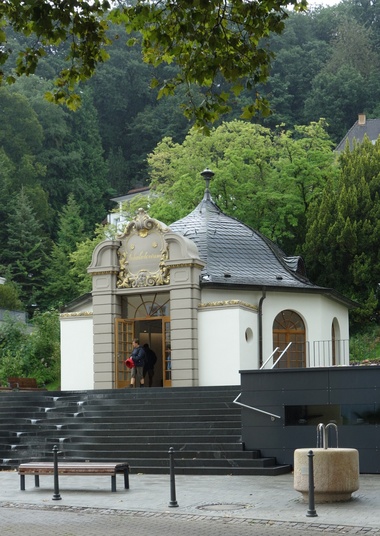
(144, 190)
(362, 127)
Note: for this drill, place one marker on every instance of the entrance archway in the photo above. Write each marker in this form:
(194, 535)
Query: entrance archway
(150, 323)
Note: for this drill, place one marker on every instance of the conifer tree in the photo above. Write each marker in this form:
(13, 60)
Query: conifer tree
(342, 243)
(86, 175)
(61, 287)
(26, 251)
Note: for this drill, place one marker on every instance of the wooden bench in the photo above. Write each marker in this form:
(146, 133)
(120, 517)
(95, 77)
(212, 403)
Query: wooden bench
(24, 384)
(74, 468)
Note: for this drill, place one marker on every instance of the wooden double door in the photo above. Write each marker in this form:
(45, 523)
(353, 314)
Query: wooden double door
(152, 331)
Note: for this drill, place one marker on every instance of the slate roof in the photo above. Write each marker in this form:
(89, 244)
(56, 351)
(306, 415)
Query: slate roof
(238, 256)
(371, 128)
(235, 254)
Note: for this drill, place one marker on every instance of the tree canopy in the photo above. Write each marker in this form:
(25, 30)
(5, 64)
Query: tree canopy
(265, 178)
(341, 246)
(208, 41)
(269, 171)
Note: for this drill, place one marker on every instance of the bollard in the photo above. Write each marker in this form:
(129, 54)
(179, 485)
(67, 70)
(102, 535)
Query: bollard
(311, 511)
(173, 501)
(56, 496)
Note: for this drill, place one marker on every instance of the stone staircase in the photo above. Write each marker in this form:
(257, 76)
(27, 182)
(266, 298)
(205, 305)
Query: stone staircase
(136, 425)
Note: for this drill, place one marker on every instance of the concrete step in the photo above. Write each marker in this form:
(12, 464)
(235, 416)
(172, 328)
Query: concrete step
(119, 426)
(144, 436)
(163, 461)
(69, 450)
(136, 425)
(205, 470)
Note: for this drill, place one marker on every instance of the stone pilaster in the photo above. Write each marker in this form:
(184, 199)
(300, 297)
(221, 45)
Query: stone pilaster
(106, 307)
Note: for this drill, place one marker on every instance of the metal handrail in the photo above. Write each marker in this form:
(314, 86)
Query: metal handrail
(282, 353)
(273, 415)
(274, 351)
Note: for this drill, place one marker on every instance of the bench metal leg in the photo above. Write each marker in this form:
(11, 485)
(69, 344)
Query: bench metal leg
(22, 482)
(113, 483)
(37, 481)
(126, 478)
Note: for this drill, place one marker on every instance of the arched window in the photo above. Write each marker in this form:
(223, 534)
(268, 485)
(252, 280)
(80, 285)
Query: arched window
(336, 343)
(150, 305)
(288, 327)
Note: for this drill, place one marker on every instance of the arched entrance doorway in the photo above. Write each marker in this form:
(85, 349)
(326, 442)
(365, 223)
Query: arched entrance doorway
(289, 327)
(148, 320)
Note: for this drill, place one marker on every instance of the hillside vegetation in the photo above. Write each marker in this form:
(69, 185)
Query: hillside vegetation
(59, 169)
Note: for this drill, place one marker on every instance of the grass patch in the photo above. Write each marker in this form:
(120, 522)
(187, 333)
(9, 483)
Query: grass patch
(365, 346)
(54, 386)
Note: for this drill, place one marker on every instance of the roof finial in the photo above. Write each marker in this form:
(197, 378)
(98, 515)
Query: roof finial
(207, 174)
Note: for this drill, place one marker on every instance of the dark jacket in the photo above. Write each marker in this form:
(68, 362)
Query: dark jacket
(138, 356)
(150, 359)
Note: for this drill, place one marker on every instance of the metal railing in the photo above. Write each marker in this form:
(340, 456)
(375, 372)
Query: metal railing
(325, 353)
(274, 351)
(272, 415)
(280, 356)
(272, 354)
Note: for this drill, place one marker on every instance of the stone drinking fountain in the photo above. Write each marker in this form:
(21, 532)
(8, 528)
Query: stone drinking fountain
(336, 470)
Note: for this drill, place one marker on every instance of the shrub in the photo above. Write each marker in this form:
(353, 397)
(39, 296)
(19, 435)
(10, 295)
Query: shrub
(31, 350)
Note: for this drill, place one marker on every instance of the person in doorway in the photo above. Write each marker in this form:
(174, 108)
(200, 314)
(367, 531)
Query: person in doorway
(138, 356)
(168, 363)
(150, 361)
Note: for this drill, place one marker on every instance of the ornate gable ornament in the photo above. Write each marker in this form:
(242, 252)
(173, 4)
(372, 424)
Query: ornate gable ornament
(143, 253)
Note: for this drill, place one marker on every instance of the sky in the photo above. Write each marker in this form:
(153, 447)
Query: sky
(323, 2)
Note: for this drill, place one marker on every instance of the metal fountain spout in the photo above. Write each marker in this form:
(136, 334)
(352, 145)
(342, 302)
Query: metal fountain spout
(323, 436)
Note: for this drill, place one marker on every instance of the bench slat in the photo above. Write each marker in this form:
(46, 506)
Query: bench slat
(74, 468)
(23, 384)
(91, 466)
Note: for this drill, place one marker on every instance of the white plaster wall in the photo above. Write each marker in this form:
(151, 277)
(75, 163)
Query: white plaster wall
(248, 339)
(77, 356)
(317, 312)
(223, 346)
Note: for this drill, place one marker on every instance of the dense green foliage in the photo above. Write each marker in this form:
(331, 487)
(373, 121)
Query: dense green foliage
(262, 177)
(342, 242)
(365, 345)
(26, 250)
(207, 40)
(277, 173)
(52, 24)
(33, 351)
(9, 296)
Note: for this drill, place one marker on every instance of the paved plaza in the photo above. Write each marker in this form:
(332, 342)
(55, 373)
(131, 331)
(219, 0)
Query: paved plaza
(206, 505)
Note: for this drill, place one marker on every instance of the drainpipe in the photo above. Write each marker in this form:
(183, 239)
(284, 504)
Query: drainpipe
(260, 320)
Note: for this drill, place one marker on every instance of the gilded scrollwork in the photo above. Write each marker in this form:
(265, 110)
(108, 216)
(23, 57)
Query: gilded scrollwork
(228, 303)
(76, 315)
(143, 253)
(142, 224)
